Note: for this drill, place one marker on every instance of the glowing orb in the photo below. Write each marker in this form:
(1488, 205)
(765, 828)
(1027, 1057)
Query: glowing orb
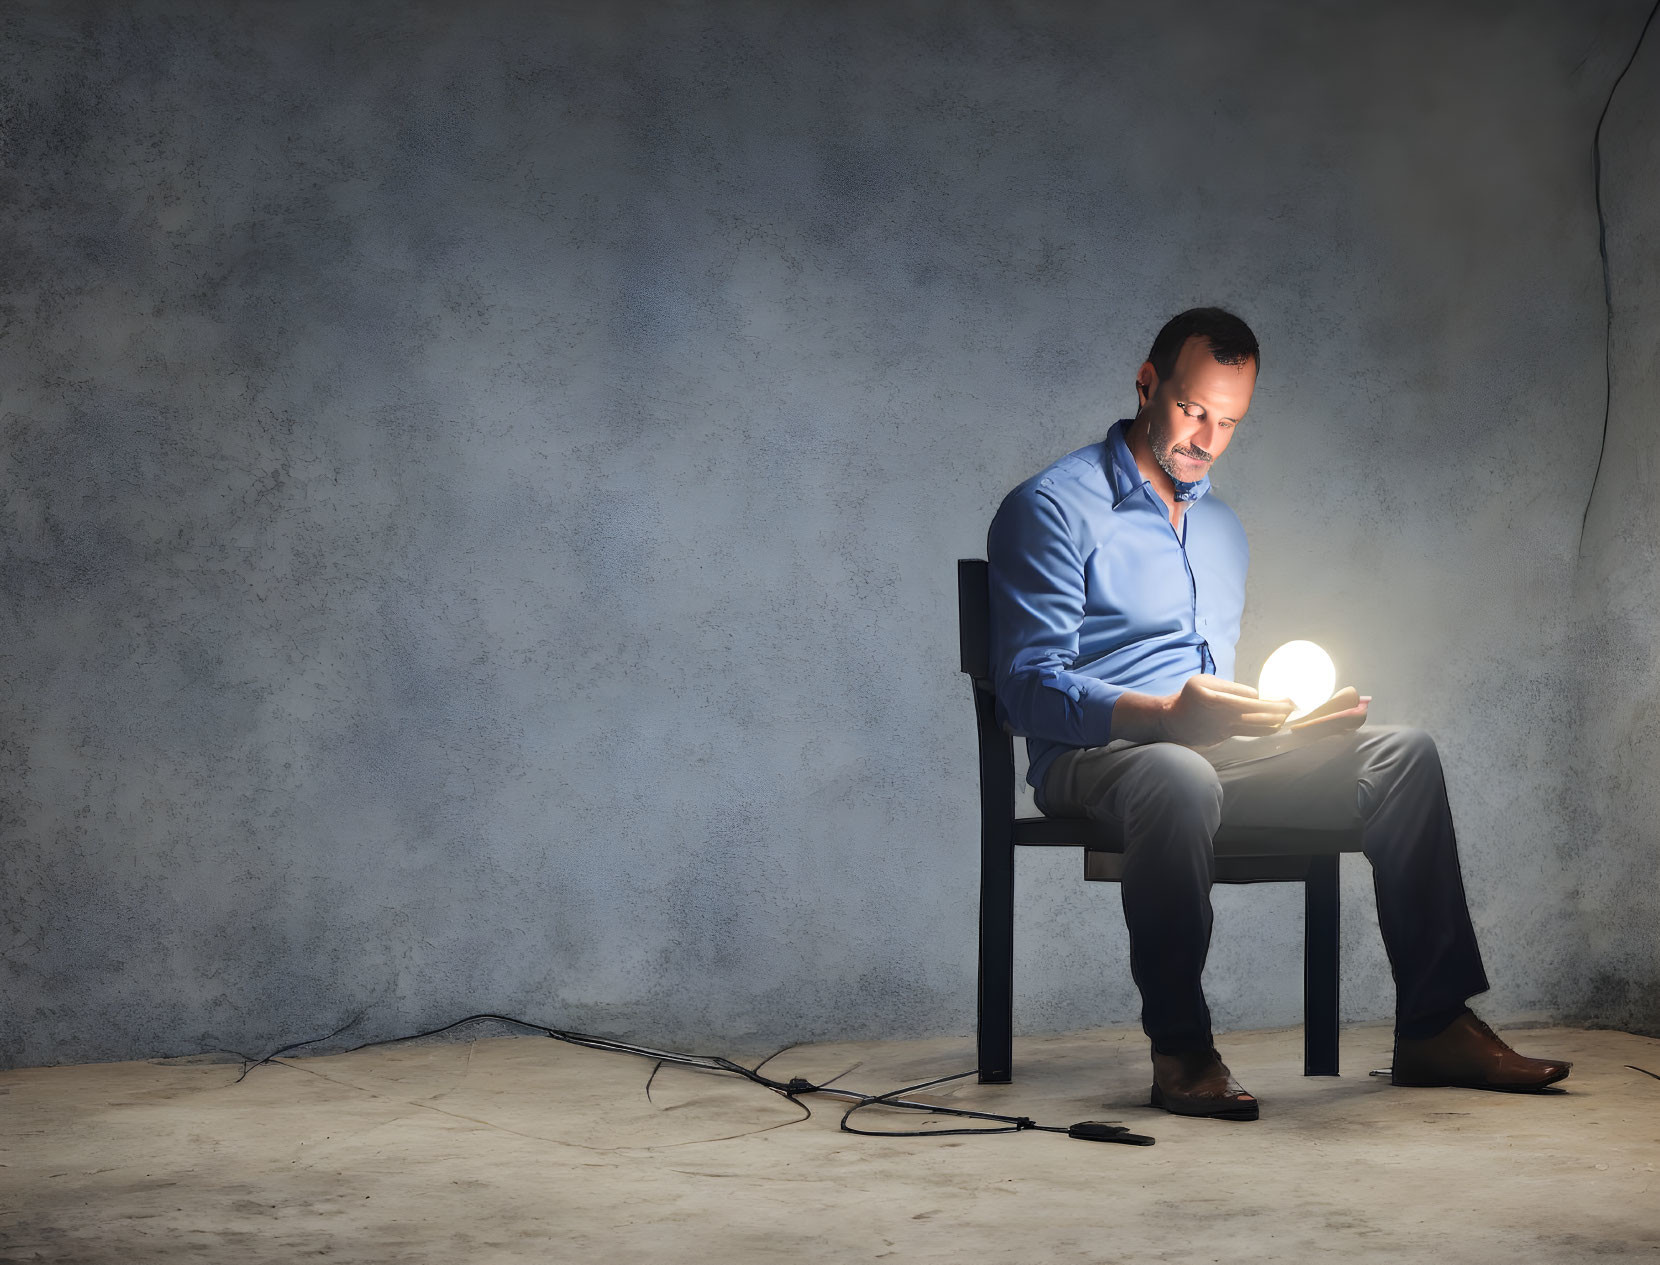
(1300, 671)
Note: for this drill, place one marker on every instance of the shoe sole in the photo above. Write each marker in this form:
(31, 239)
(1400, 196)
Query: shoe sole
(1227, 1111)
(1532, 1088)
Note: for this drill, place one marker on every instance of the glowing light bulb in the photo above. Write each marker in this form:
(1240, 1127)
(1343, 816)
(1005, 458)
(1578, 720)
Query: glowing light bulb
(1300, 671)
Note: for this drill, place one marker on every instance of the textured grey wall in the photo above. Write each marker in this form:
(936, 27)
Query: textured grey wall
(1616, 852)
(483, 486)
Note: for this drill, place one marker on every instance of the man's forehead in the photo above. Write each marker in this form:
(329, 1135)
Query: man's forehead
(1196, 355)
(1196, 369)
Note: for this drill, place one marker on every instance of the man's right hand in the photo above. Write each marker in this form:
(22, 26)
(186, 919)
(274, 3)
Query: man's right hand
(1209, 709)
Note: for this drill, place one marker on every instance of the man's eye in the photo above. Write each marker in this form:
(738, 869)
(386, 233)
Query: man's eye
(1192, 410)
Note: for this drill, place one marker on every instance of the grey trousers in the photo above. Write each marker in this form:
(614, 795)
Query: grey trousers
(1165, 803)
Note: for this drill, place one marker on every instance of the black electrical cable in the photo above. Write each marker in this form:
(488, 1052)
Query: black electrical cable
(1089, 1130)
(1607, 284)
(1014, 1124)
(298, 1045)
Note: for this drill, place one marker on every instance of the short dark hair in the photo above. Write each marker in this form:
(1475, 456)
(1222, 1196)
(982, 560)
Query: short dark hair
(1231, 341)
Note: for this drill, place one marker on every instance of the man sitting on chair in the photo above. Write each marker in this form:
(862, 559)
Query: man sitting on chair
(1117, 583)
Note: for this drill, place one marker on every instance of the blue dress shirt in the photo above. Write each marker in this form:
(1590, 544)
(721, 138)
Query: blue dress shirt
(1094, 593)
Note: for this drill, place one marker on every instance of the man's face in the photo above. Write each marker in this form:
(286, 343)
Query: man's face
(1191, 415)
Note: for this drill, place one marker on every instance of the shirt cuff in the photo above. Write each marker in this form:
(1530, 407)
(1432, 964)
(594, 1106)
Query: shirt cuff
(1094, 700)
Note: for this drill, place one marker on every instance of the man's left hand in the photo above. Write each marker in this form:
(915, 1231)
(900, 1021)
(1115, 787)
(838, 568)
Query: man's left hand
(1343, 711)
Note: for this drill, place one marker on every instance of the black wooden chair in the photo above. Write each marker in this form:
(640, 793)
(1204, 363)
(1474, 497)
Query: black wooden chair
(1251, 855)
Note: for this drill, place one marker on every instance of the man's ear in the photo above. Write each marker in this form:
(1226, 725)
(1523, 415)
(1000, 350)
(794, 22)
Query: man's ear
(1146, 382)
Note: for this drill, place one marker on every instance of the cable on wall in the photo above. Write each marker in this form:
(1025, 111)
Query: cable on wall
(1607, 284)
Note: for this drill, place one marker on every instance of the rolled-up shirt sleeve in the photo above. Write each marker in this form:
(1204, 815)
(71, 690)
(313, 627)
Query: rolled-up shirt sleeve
(1036, 574)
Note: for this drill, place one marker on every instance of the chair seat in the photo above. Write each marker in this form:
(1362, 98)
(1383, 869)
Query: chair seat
(1239, 841)
(1244, 854)
(1108, 867)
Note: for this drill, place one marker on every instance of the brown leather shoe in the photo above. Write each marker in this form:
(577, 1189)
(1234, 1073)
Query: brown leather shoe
(1199, 1084)
(1468, 1054)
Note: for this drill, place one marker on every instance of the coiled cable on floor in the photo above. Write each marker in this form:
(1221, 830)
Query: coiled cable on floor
(791, 1090)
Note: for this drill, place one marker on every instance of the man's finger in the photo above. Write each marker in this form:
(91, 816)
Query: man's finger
(1341, 701)
(1353, 718)
(1220, 685)
(1280, 707)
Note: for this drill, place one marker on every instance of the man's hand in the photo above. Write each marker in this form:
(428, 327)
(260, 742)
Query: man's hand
(1343, 711)
(1208, 710)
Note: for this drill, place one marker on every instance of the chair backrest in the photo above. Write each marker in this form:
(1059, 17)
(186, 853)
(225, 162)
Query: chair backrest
(996, 749)
(974, 618)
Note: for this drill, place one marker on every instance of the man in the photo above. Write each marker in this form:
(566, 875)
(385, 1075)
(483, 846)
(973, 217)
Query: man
(1117, 584)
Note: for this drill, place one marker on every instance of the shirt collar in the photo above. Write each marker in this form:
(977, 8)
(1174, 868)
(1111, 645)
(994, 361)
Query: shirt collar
(1126, 475)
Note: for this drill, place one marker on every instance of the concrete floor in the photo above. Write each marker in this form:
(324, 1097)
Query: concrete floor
(526, 1149)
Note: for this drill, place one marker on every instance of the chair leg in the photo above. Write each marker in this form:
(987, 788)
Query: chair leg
(996, 1016)
(1320, 914)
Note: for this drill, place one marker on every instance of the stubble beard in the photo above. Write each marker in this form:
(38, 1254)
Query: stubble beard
(1158, 439)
